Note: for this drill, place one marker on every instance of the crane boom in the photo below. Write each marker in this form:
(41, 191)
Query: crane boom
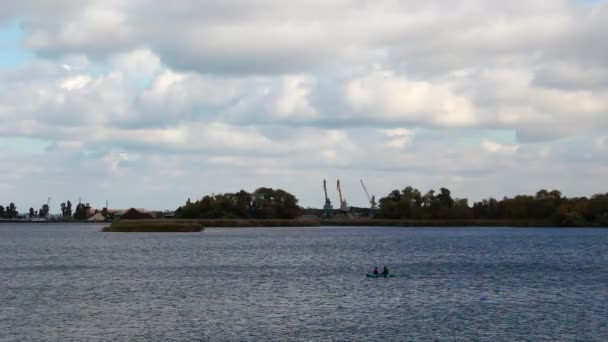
(343, 204)
(340, 192)
(366, 193)
(372, 199)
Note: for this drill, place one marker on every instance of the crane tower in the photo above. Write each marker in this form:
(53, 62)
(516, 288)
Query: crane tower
(371, 200)
(343, 204)
(328, 209)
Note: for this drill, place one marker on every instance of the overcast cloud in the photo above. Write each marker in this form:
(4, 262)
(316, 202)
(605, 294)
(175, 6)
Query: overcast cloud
(145, 104)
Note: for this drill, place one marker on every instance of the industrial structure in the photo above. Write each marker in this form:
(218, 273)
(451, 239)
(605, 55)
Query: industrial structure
(371, 200)
(328, 209)
(343, 204)
(343, 210)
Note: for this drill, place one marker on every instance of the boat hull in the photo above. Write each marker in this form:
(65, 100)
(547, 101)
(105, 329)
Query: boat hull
(380, 275)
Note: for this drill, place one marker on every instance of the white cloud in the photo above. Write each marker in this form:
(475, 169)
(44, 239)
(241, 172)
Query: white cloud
(137, 63)
(76, 82)
(494, 147)
(293, 101)
(113, 161)
(252, 92)
(386, 97)
(399, 138)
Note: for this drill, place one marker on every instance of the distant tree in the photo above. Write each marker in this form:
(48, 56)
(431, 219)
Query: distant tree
(445, 198)
(542, 194)
(2, 212)
(461, 210)
(31, 213)
(68, 209)
(12, 212)
(44, 211)
(597, 210)
(63, 209)
(263, 203)
(428, 199)
(81, 211)
(555, 194)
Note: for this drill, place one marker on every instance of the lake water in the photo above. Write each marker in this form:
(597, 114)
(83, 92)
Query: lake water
(73, 282)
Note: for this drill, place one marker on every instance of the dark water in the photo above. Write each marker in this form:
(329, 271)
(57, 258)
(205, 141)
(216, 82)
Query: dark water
(74, 283)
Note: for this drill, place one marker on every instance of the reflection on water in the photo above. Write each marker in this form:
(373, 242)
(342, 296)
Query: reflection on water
(72, 282)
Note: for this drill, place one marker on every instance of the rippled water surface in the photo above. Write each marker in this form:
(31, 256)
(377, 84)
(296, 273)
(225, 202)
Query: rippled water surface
(72, 282)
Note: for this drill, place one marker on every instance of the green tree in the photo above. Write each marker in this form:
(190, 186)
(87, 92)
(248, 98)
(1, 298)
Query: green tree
(388, 206)
(263, 203)
(445, 198)
(11, 211)
(68, 209)
(44, 211)
(80, 212)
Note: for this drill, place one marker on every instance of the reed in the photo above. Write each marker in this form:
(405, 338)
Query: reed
(437, 223)
(197, 225)
(154, 226)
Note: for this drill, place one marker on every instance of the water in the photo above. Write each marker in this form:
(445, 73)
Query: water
(74, 283)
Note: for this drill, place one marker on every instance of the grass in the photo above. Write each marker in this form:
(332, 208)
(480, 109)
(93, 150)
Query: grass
(196, 225)
(437, 223)
(235, 223)
(154, 226)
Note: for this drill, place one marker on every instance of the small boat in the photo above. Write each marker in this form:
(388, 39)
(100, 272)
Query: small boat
(380, 275)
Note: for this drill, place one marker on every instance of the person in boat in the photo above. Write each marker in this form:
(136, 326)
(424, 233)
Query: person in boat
(376, 270)
(385, 271)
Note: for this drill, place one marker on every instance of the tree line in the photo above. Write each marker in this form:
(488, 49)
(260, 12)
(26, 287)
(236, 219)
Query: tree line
(79, 213)
(263, 203)
(11, 212)
(547, 206)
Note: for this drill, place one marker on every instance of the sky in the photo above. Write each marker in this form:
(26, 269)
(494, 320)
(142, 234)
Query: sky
(146, 105)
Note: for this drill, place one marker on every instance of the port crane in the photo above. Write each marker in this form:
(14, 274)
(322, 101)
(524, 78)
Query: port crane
(343, 204)
(372, 199)
(328, 209)
(48, 207)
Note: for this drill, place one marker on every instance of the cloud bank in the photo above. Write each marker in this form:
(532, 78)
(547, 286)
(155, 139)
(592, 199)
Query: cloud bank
(193, 97)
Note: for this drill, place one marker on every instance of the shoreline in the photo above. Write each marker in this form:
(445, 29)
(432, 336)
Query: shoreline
(70, 222)
(292, 223)
(287, 223)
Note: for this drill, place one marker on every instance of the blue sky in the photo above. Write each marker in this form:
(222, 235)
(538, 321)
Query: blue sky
(99, 101)
(14, 53)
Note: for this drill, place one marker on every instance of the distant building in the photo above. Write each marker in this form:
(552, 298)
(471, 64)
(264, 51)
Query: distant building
(89, 211)
(98, 217)
(133, 214)
(169, 214)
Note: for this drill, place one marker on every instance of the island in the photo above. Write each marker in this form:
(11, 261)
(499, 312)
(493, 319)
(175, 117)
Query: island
(154, 226)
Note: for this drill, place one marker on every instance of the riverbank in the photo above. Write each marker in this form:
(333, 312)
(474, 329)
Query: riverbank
(438, 223)
(49, 221)
(191, 225)
(181, 225)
